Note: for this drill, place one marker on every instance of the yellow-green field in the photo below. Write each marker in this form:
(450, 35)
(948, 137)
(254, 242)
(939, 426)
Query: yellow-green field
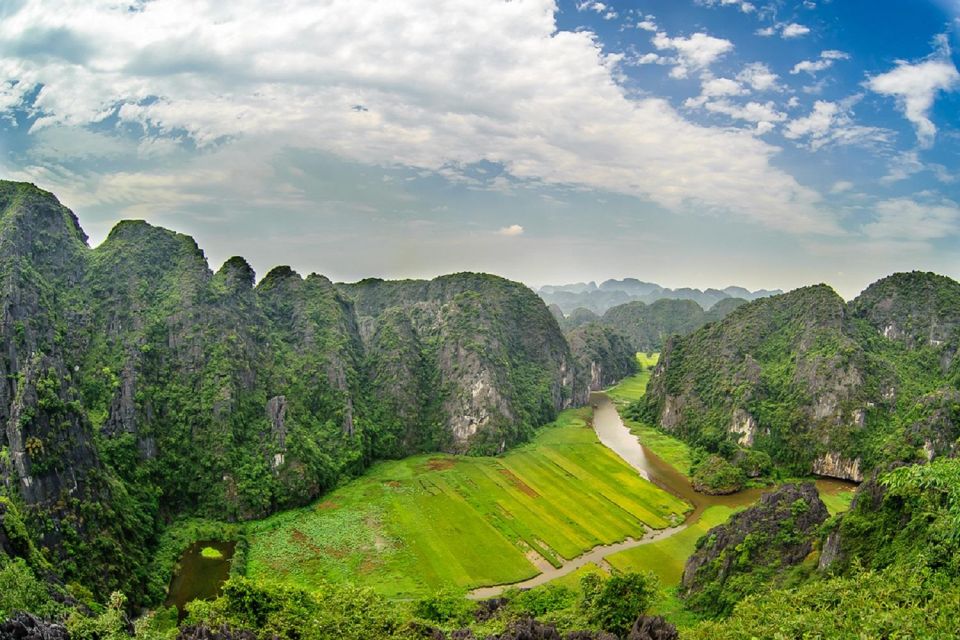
(633, 388)
(837, 502)
(666, 557)
(411, 526)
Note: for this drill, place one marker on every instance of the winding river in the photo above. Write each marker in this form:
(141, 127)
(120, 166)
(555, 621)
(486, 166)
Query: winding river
(615, 435)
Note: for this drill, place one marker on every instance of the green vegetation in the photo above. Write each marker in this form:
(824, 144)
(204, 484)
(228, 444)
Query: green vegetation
(413, 526)
(716, 476)
(666, 557)
(633, 387)
(211, 554)
(614, 603)
(895, 603)
(837, 502)
(626, 394)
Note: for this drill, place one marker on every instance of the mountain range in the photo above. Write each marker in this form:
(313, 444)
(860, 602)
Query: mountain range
(610, 293)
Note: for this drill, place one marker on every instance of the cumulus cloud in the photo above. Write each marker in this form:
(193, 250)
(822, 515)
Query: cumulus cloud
(794, 30)
(512, 230)
(693, 53)
(832, 123)
(544, 104)
(758, 76)
(826, 60)
(715, 94)
(915, 87)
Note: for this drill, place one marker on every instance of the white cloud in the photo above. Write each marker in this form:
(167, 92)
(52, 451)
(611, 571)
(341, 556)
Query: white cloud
(718, 87)
(826, 60)
(908, 163)
(241, 76)
(794, 30)
(916, 85)
(906, 219)
(647, 25)
(902, 166)
(841, 186)
(695, 52)
(758, 76)
(832, 123)
(745, 7)
(755, 112)
(786, 30)
(607, 12)
(512, 230)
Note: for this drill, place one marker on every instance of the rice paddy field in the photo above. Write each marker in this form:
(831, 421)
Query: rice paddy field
(667, 557)
(409, 527)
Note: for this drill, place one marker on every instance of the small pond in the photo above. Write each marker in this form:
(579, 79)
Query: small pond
(200, 573)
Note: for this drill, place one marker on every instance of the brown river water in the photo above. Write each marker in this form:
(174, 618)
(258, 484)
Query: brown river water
(615, 435)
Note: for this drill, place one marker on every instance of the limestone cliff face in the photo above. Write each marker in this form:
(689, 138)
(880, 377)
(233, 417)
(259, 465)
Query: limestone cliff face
(916, 309)
(479, 354)
(819, 384)
(47, 435)
(791, 349)
(603, 355)
(834, 465)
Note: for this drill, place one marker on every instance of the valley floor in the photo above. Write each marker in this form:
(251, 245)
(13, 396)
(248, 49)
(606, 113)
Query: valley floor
(412, 526)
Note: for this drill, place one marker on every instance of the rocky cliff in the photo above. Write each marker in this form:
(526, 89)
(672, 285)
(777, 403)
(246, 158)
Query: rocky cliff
(820, 385)
(605, 353)
(756, 546)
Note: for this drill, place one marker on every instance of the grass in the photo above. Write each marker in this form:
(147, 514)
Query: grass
(837, 502)
(666, 557)
(633, 387)
(412, 526)
(211, 554)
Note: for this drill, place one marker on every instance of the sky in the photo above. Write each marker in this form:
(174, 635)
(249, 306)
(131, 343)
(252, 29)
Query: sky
(686, 142)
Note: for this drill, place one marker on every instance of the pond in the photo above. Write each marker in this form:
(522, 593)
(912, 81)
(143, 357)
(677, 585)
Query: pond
(200, 573)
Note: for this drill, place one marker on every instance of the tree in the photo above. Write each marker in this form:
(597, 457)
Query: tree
(615, 603)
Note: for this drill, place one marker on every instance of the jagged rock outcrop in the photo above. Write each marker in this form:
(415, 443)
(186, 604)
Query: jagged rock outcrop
(652, 628)
(765, 539)
(833, 465)
(24, 626)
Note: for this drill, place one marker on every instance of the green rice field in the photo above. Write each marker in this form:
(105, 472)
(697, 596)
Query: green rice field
(409, 527)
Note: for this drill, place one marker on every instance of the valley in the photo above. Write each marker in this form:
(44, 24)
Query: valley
(410, 527)
(584, 495)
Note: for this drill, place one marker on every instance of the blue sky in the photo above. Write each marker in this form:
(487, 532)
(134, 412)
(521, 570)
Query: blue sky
(687, 142)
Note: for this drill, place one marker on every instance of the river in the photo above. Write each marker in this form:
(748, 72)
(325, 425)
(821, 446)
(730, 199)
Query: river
(615, 435)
